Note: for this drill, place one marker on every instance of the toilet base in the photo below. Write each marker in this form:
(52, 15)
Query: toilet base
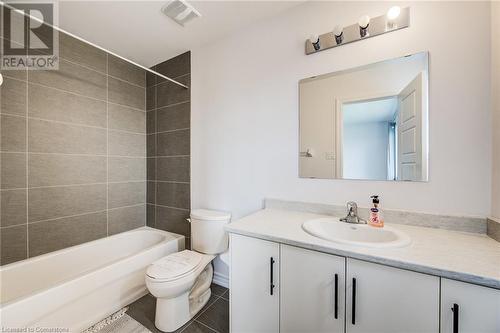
(172, 313)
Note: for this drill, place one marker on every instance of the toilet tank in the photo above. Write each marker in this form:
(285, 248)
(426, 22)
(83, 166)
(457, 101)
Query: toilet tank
(207, 231)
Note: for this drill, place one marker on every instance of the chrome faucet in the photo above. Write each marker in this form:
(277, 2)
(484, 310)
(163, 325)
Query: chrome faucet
(352, 214)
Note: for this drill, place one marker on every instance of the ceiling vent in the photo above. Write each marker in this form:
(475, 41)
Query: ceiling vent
(180, 11)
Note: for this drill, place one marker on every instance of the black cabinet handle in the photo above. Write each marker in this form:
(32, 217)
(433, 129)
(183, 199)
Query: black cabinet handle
(336, 305)
(271, 261)
(353, 319)
(455, 317)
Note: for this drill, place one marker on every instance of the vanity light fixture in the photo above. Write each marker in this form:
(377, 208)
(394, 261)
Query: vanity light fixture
(392, 15)
(364, 23)
(338, 32)
(394, 19)
(315, 42)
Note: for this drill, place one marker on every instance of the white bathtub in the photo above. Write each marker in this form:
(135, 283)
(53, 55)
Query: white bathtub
(73, 288)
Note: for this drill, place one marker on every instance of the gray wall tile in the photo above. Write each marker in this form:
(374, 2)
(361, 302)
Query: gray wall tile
(151, 168)
(126, 218)
(53, 104)
(13, 207)
(122, 169)
(169, 93)
(13, 244)
(124, 93)
(173, 169)
(50, 137)
(126, 194)
(127, 144)
(173, 195)
(175, 67)
(13, 130)
(13, 96)
(151, 192)
(151, 122)
(73, 78)
(173, 220)
(150, 98)
(150, 77)
(151, 145)
(173, 143)
(126, 119)
(13, 170)
(173, 117)
(150, 215)
(57, 234)
(126, 71)
(54, 169)
(54, 202)
(82, 53)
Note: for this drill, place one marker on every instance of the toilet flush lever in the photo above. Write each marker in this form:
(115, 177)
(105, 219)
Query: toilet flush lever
(188, 219)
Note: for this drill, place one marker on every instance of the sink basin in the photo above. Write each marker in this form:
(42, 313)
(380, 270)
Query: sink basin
(331, 229)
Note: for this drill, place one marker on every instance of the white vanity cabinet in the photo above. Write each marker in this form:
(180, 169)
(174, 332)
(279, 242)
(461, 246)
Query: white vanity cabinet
(386, 299)
(254, 285)
(312, 291)
(280, 288)
(467, 308)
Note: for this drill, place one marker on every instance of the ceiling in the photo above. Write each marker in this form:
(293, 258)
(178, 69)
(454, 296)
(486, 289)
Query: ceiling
(139, 31)
(381, 110)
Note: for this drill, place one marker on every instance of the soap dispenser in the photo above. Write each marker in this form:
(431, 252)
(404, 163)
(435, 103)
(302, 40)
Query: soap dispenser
(376, 219)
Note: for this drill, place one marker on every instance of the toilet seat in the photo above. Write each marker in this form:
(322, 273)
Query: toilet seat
(174, 266)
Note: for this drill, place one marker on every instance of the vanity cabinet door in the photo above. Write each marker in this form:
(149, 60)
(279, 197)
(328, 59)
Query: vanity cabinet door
(312, 291)
(467, 308)
(390, 300)
(254, 285)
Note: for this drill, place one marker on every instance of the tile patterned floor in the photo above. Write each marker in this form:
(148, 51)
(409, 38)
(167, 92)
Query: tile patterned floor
(214, 317)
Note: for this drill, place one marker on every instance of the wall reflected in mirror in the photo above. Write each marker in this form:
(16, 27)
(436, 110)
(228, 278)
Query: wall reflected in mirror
(367, 123)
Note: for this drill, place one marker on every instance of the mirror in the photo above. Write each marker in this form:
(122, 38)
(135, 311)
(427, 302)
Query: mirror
(367, 123)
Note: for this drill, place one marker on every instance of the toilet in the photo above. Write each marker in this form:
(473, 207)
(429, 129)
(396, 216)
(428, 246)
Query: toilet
(181, 281)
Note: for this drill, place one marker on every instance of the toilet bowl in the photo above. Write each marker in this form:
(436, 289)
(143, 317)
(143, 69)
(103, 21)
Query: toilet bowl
(181, 281)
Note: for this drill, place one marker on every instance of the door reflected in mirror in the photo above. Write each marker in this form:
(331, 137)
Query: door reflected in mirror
(368, 123)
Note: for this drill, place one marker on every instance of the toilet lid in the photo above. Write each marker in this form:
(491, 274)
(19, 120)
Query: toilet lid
(174, 265)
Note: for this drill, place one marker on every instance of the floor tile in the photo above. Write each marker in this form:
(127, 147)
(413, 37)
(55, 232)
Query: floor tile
(217, 290)
(216, 316)
(196, 327)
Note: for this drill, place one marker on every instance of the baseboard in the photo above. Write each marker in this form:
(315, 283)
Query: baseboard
(221, 279)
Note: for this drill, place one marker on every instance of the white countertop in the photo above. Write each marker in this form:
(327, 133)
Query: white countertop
(463, 256)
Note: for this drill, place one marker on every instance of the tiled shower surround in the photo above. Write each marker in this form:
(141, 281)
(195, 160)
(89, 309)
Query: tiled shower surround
(168, 147)
(73, 152)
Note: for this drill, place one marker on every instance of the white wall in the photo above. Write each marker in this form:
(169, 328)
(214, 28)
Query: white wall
(365, 150)
(245, 109)
(495, 57)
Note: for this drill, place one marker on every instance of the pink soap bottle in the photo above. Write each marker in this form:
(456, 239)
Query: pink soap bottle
(376, 219)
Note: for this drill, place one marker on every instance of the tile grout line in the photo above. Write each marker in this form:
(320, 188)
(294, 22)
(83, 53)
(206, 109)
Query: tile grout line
(156, 152)
(73, 93)
(146, 151)
(107, 146)
(201, 312)
(77, 154)
(210, 328)
(76, 124)
(27, 167)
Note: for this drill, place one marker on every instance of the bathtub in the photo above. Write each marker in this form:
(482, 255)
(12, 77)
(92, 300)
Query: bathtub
(71, 289)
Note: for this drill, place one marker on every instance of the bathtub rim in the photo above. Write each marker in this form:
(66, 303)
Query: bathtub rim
(175, 237)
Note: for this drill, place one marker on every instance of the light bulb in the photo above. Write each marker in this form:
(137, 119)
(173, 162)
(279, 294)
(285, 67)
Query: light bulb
(364, 21)
(338, 30)
(393, 13)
